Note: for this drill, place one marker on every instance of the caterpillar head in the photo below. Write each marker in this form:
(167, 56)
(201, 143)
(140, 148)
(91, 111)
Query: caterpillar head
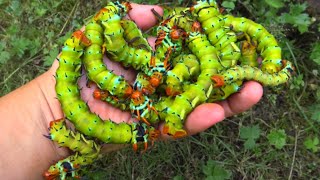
(63, 168)
(288, 66)
(177, 33)
(137, 98)
(155, 79)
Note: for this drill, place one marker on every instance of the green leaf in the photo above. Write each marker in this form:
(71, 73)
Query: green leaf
(277, 138)
(4, 57)
(20, 45)
(315, 109)
(275, 3)
(315, 54)
(215, 172)
(51, 57)
(250, 144)
(296, 17)
(178, 177)
(228, 5)
(312, 144)
(251, 132)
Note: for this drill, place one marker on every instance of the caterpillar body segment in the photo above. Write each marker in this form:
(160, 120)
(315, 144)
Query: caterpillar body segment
(219, 35)
(204, 10)
(225, 91)
(95, 67)
(267, 44)
(134, 36)
(112, 12)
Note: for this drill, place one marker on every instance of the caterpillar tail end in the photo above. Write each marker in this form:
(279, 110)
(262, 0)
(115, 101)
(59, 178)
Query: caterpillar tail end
(218, 80)
(174, 132)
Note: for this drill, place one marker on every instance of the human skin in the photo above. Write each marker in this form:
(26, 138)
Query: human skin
(26, 112)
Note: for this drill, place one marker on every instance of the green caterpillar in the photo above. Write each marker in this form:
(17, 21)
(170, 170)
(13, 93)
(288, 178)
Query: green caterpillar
(253, 73)
(267, 44)
(95, 67)
(87, 151)
(77, 111)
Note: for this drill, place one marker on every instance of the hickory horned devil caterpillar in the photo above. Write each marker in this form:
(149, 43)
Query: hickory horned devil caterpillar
(201, 55)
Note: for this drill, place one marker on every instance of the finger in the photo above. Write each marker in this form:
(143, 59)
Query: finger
(249, 95)
(203, 117)
(143, 16)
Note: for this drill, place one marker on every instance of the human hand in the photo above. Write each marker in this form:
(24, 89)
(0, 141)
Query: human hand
(203, 117)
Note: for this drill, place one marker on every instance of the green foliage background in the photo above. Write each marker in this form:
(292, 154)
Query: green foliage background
(278, 138)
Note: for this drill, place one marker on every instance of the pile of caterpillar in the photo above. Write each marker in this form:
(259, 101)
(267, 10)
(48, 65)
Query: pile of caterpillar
(201, 55)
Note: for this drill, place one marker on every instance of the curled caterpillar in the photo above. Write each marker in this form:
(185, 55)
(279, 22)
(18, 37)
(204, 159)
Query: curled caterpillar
(266, 43)
(86, 151)
(253, 73)
(95, 67)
